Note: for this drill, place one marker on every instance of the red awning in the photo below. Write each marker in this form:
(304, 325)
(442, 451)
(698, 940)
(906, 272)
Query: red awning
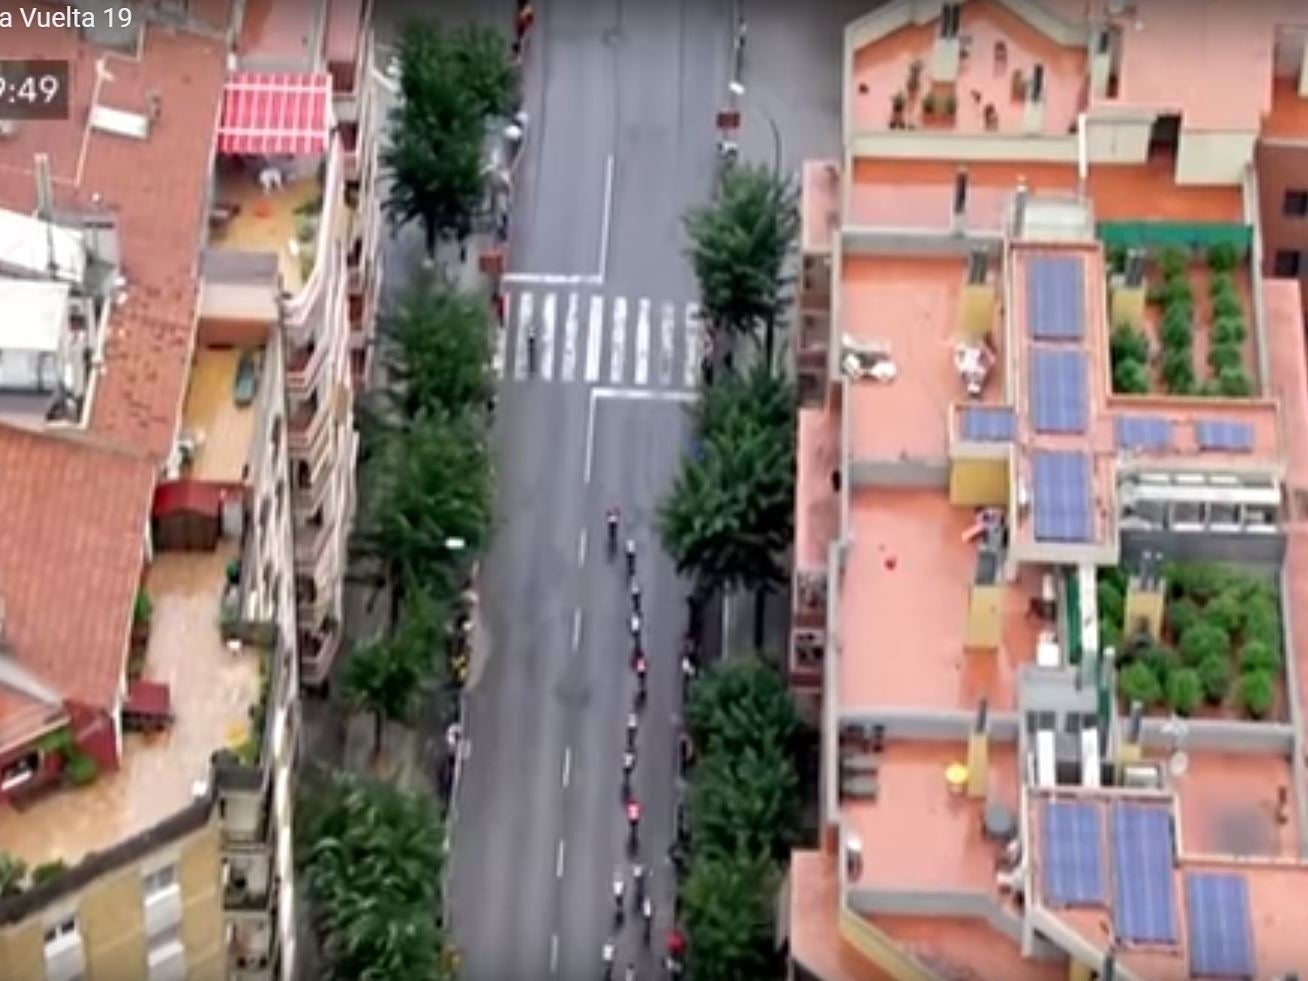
(274, 113)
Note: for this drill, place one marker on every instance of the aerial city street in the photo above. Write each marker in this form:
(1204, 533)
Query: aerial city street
(628, 490)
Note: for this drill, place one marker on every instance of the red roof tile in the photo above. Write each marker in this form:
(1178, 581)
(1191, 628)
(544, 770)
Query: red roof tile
(155, 188)
(73, 515)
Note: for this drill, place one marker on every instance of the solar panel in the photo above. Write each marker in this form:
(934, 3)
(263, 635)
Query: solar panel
(1058, 391)
(1224, 436)
(988, 424)
(1217, 920)
(1073, 863)
(1055, 298)
(1062, 497)
(1144, 907)
(1143, 433)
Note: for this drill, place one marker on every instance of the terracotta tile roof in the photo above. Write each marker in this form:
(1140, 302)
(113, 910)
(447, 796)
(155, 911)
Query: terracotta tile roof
(22, 714)
(73, 515)
(155, 188)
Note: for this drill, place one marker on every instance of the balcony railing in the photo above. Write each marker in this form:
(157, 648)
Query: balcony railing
(307, 424)
(310, 541)
(304, 365)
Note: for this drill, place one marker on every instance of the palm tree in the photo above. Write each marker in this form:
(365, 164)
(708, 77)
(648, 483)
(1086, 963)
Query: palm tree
(373, 858)
(729, 516)
(450, 84)
(728, 904)
(739, 247)
(389, 676)
(435, 348)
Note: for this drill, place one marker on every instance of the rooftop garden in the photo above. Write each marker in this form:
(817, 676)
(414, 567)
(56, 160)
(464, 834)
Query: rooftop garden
(1218, 649)
(1162, 354)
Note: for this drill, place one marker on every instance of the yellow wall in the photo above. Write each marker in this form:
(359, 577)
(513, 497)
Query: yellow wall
(976, 312)
(110, 918)
(1143, 606)
(1128, 306)
(979, 483)
(22, 950)
(984, 618)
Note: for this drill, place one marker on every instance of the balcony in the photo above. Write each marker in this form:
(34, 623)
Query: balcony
(280, 221)
(311, 539)
(304, 366)
(308, 423)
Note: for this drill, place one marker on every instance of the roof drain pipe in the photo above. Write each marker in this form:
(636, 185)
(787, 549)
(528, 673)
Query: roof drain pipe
(1082, 157)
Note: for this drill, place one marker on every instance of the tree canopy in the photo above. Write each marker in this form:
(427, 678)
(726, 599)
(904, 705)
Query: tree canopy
(728, 906)
(739, 246)
(729, 516)
(451, 83)
(373, 857)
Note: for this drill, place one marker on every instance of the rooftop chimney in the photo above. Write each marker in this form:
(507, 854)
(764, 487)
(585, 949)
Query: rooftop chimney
(1019, 208)
(44, 187)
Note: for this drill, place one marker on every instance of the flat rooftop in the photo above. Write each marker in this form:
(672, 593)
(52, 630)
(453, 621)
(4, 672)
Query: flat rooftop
(212, 690)
(918, 194)
(984, 75)
(282, 34)
(903, 610)
(222, 428)
(911, 307)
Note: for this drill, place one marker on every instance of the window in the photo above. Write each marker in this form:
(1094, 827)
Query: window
(157, 881)
(19, 771)
(276, 436)
(1295, 203)
(65, 959)
(1287, 264)
(59, 930)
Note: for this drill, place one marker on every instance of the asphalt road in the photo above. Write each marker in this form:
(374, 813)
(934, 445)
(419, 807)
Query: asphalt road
(620, 143)
(621, 96)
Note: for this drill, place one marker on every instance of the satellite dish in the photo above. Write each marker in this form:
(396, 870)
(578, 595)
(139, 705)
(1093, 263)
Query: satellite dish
(1178, 763)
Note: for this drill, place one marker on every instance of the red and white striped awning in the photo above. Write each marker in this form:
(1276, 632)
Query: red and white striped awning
(273, 113)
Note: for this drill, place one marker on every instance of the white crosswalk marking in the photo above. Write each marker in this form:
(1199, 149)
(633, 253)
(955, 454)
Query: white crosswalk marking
(667, 338)
(525, 302)
(547, 336)
(501, 349)
(594, 338)
(569, 365)
(642, 343)
(694, 344)
(618, 351)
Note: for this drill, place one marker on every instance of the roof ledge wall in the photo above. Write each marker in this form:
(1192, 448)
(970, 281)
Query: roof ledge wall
(1292, 681)
(900, 472)
(963, 147)
(1077, 947)
(1049, 24)
(1254, 262)
(1221, 735)
(871, 240)
(933, 725)
(946, 903)
(828, 779)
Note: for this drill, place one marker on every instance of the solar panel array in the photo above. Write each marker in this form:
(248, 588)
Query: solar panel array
(1224, 436)
(989, 424)
(1062, 496)
(1059, 403)
(1073, 859)
(1217, 920)
(1143, 433)
(1144, 906)
(1055, 298)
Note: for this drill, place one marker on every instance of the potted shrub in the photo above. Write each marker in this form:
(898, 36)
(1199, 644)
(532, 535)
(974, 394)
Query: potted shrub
(1223, 257)
(142, 614)
(897, 104)
(929, 105)
(47, 871)
(1177, 330)
(1258, 656)
(1181, 613)
(79, 768)
(1178, 371)
(1215, 677)
(1257, 693)
(1173, 260)
(914, 80)
(1202, 640)
(1130, 377)
(1226, 305)
(1184, 691)
(1233, 383)
(1224, 356)
(1139, 684)
(949, 105)
(1129, 343)
(1229, 330)
(1017, 85)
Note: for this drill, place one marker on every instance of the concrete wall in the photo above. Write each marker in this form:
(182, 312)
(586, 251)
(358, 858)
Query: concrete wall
(235, 301)
(926, 145)
(898, 473)
(943, 903)
(936, 725)
(1049, 23)
(1282, 166)
(1112, 139)
(1223, 736)
(866, 240)
(1258, 550)
(1213, 158)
